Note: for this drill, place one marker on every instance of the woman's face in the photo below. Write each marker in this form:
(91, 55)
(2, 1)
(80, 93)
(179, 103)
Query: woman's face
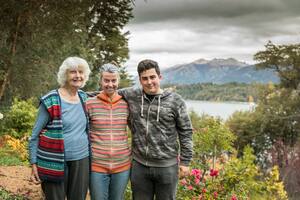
(109, 83)
(75, 77)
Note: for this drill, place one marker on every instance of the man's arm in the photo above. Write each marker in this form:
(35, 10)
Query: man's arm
(126, 92)
(185, 133)
(92, 93)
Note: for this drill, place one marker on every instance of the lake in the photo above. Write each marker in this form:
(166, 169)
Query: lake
(218, 109)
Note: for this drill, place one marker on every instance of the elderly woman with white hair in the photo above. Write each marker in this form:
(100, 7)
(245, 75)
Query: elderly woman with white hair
(59, 145)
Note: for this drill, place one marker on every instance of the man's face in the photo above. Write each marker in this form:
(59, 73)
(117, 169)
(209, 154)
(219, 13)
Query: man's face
(150, 81)
(109, 83)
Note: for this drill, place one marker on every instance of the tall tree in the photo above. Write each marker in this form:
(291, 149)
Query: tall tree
(36, 36)
(285, 60)
(281, 105)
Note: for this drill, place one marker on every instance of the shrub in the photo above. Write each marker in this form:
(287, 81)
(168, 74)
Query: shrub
(211, 138)
(19, 120)
(5, 195)
(19, 146)
(236, 179)
(217, 171)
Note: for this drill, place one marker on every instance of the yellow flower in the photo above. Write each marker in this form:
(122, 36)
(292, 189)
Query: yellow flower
(18, 145)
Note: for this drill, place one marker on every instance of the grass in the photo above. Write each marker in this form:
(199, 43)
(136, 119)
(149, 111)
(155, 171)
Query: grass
(9, 158)
(5, 195)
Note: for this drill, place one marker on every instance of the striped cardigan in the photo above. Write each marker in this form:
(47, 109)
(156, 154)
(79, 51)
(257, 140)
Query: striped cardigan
(108, 134)
(50, 152)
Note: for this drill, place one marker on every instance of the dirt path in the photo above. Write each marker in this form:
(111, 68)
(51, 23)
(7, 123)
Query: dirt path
(15, 179)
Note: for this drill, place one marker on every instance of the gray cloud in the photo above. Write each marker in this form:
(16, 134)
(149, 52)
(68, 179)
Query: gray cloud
(157, 10)
(179, 31)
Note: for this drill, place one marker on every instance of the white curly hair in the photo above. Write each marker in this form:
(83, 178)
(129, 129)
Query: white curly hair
(73, 63)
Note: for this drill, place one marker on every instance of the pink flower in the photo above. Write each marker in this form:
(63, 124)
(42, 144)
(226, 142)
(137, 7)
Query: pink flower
(214, 172)
(233, 197)
(197, 181)
(215, 195)
(203, 190)
(196, 172)
(190, 187)
(183, 182)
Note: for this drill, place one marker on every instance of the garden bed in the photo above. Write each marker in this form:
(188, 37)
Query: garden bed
(15, 180)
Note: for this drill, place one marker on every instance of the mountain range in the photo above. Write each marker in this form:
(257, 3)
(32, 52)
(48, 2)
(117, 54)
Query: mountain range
(217, 71)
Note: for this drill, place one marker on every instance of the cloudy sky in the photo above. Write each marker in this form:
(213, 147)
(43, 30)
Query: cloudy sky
(181, 31)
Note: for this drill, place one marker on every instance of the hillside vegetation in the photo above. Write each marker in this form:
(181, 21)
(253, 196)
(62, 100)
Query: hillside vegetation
(219, 92)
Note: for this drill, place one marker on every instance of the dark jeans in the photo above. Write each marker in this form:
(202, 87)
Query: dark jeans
(150, 182)
(75, 185)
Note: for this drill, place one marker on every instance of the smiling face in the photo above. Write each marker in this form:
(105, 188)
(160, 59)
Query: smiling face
(150, 81)
(109, 83)
(75, 77)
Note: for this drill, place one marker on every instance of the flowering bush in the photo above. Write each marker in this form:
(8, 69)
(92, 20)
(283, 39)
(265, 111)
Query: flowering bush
(19, 146)
(238, 179)
(200, 185)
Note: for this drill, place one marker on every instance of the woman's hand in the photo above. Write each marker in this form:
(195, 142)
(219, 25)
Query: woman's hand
(34, 175)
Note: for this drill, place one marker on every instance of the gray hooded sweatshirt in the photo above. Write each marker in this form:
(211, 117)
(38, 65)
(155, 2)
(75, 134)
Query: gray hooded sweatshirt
(161, 128)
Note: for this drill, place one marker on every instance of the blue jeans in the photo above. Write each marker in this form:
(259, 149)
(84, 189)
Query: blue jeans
(148, 183)
(108, 186)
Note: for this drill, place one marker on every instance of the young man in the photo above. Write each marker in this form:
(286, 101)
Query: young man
(158, 120)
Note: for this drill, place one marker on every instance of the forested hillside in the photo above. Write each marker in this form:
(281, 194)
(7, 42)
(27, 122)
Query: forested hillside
(219, 92)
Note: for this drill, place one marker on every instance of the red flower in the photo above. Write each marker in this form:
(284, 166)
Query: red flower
(233, 197)
(214, 172)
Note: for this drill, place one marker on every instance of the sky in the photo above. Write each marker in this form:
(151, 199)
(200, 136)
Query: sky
(174, 32)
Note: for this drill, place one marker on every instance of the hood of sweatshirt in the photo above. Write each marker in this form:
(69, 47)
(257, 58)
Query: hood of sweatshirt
(103, 96)
(161, 94)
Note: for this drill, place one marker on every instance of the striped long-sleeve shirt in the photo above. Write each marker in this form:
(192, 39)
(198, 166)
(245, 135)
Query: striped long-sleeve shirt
(108, 134)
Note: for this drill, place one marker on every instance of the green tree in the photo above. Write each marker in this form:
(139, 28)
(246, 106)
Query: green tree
(211, 139)
(126, 79)
(280, 106)
(273, 128)
(284, 59)
(36, 36)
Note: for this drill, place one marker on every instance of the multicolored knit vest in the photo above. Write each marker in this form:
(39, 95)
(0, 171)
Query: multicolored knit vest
(50, 154)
